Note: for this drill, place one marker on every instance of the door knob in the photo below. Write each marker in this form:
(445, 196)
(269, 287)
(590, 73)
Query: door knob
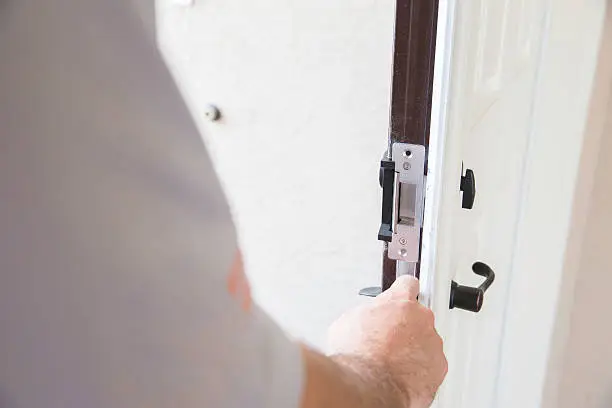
(468, 186)
(467, 297)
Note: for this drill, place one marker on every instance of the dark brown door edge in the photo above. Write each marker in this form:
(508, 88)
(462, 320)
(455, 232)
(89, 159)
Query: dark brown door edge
(413, 69)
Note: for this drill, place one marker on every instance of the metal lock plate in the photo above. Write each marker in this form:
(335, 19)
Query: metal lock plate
(408, 201)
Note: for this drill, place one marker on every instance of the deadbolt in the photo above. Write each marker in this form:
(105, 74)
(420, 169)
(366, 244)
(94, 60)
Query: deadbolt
(468, 187)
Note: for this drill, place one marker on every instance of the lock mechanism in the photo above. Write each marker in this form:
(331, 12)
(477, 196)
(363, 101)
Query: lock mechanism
(468, 187)
(403, 183)
(402, 178)
(470, 298)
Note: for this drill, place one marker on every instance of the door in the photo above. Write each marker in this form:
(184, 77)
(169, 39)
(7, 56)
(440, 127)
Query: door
(487, 71)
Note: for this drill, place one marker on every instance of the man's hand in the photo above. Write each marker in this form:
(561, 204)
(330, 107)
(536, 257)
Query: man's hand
(393, 340)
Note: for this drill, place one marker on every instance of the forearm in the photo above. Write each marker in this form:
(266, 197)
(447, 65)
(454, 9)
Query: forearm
(347, 382)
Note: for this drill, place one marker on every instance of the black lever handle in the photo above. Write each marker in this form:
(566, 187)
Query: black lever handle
(467, 297)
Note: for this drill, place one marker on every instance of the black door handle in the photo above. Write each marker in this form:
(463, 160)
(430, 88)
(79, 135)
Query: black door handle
(467, 297)
(468, 187)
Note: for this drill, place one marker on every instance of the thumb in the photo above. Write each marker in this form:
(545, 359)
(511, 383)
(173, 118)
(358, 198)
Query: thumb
(405, 287)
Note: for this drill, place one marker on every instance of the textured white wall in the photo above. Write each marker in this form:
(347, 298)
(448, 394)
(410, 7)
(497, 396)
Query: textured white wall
(304, 89)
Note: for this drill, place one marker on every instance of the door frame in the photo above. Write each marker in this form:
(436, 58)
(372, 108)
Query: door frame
(414, 53)
(567, 119)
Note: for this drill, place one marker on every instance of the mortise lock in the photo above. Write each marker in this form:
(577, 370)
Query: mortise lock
(468, 187)
(470, 298)
(402, 178)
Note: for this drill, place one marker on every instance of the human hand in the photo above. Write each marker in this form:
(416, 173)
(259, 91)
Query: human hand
(393, 339)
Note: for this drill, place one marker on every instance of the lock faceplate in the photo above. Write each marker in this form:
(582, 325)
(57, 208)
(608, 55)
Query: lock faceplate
(408, 202)
(402, 178)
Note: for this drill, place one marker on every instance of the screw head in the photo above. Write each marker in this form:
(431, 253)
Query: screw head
(407, 166)
(212, 113)
(403, 241)
(403, 252)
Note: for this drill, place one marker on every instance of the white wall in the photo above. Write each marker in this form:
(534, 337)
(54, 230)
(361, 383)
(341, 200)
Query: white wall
(304, 90)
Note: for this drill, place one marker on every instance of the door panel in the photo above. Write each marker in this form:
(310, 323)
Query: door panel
(492, 81)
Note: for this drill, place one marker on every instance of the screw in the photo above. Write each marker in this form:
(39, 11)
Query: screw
(407, 166)
(403, 252)
(212, 113)
(403, 241)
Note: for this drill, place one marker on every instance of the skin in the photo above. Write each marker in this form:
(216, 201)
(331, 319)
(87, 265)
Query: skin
(386, 353)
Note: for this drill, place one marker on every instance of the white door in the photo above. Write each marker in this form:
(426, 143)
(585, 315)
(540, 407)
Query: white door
(486, 79)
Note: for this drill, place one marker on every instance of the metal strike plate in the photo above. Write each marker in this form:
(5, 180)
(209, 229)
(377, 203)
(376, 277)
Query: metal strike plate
(408, 201)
